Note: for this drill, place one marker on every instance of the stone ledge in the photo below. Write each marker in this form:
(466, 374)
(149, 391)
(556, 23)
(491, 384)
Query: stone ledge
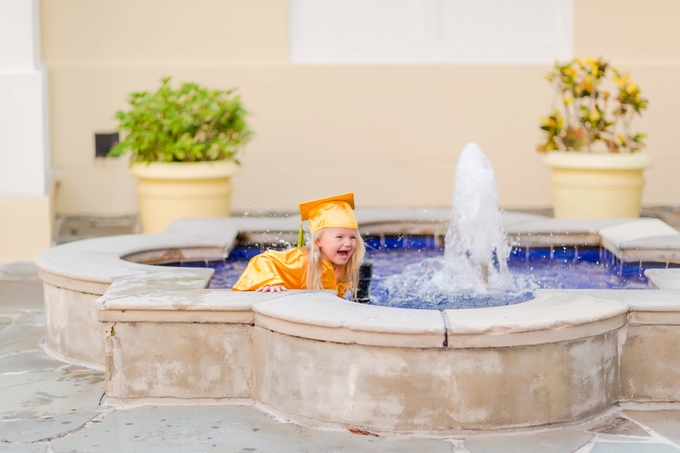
(669, 242)
(549, 318)
(151, 282)
(320, 315)
(218, 226)
(195, 306)
(637, 299)
(661, 307)
(74, 284)
(99, 260)
(177, 317)
(632, 231)
(548, 225)
(323, 316)
(668, 279)
(88, 266)
(133, 243)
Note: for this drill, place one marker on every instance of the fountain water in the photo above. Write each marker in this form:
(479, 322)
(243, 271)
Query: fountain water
(474, 269)
(475, 240)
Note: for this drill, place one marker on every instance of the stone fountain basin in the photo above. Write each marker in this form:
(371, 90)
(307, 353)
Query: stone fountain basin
(314, 358)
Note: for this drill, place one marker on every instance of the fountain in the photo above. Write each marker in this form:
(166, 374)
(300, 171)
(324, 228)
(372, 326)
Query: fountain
(474, 264)
(308, 356)
(475, 236)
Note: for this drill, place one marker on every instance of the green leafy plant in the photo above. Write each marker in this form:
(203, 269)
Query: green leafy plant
(188, 124)
(586, 115)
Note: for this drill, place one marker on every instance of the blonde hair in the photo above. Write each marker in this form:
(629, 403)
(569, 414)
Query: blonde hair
(314, 259)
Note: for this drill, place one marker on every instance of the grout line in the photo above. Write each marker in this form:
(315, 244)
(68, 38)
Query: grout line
(96, 419)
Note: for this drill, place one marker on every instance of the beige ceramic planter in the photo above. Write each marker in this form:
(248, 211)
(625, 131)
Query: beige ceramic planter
(595, 185)
(169, 191)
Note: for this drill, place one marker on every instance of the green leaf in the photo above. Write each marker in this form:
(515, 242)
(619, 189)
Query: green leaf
(188, 124)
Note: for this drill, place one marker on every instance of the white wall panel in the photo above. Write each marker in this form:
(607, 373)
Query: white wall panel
(22, 157)
(22, 113)
(430, 31)
(17, 38)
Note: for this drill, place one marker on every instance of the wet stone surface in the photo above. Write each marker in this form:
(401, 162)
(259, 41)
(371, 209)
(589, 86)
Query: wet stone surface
(182, 428)
(47, 406)
(627, 447)
(24, 448)
(665, 423)
(27, 362)
(619, 426)
(559, 441)
(35, 429)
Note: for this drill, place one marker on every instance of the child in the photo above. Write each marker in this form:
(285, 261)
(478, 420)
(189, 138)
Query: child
(330, 261)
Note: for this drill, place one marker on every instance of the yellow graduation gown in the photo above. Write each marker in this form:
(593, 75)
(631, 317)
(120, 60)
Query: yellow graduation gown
(287, 268)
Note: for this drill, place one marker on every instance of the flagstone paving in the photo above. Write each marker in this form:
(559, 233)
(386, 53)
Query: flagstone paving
(47, 406)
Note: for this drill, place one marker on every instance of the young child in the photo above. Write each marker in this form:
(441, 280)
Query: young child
(330, 261)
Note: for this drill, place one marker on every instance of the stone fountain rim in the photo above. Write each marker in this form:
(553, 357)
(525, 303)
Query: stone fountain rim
(138, 291)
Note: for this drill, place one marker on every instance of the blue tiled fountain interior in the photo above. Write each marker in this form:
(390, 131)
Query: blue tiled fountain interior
(557, 267)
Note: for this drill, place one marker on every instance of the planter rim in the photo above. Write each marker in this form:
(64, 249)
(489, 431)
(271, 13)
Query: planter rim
(597, 161)
(184, 170)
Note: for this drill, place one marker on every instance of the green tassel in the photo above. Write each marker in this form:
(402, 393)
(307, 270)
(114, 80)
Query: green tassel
(301, 237)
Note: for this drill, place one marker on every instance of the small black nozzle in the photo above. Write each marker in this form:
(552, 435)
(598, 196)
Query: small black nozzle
(364, 284)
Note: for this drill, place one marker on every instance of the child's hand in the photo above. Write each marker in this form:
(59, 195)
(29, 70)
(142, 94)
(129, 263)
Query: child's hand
(271, 289)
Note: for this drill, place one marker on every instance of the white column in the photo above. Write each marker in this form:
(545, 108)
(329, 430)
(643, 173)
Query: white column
(24, 183)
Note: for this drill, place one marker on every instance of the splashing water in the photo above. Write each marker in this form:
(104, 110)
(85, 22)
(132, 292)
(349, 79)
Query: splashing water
(475, 240)
(474, 267)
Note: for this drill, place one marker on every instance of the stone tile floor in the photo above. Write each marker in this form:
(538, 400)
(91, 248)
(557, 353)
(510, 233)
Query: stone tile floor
(47, 406)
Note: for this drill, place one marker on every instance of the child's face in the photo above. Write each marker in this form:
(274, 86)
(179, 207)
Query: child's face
(337, 244)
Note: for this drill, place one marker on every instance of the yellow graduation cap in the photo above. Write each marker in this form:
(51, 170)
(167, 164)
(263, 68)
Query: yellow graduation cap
(335, 211)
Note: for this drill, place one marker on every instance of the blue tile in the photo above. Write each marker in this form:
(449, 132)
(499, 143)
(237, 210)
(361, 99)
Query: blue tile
(629, 269)
(539, 253)
(419, 241)
(244, 251)
(564, 252)
(588, 253)
(195, 264)
(394, 241)
(518, 254)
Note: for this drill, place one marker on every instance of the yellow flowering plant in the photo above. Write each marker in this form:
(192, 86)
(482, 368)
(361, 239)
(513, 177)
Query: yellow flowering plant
(586, 114)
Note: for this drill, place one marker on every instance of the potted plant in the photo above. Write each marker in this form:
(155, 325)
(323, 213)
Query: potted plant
(594, 153)
(184, 144)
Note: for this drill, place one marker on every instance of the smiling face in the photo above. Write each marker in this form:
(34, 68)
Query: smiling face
(337, 244)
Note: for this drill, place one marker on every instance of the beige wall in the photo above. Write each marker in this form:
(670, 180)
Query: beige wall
(391, 133)
(642, 37)
(25, 227)
(628, 31)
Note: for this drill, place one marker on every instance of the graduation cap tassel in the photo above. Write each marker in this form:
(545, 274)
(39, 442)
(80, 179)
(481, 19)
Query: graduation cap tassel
(301, 237)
